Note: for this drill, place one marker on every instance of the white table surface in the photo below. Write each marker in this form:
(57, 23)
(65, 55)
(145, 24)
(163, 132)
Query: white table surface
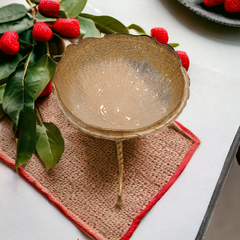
(212, 113)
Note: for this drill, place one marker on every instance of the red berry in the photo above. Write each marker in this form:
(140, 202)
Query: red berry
(41, 32)
(184, 59)
(47, 90)
(49, 8)
(67, 27)
(232, 6)
(211, 3)
(8, 43)
(160, 34)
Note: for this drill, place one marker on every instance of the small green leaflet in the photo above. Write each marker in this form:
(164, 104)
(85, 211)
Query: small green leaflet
(8, 64)
(62, 14)
(18, 26)
(2, 89)
(12, 12)
(88, 28)
(50, 144)
(72, 8)
(106, 24)
(40, 18)
(137, 28)
(173, 44)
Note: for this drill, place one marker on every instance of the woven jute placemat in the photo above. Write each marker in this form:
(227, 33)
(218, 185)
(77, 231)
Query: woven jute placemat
(84, 184)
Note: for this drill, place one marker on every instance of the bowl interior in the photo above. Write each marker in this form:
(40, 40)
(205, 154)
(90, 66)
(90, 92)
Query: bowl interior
(120, 83)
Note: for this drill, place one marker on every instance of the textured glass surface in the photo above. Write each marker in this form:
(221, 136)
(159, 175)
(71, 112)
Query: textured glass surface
(120, 83)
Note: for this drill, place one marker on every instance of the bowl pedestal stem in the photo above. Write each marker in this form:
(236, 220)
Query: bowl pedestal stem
(120, 165)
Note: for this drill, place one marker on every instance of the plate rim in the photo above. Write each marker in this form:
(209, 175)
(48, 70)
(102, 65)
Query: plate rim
(196, 10)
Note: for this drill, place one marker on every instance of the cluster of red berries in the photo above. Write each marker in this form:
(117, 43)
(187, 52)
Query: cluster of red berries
(67, 27)
(161, 35)
(41, 31)
(232, 6)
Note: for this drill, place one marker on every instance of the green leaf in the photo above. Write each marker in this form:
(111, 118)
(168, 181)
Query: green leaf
(41, 18)
(173, 44)
(18, 26)
(26, 142)
(88, 28)
(47, 76)
(107, 24)
(2, 89)
(26, 37)
(40, 74)
(38, 51)
(13, 95)
(12, 12)
(50, 144)
(36, 73)
(8, 64)
(72, 8)
(137, 28)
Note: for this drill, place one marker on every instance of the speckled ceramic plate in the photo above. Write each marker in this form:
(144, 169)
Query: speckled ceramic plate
(216, 13)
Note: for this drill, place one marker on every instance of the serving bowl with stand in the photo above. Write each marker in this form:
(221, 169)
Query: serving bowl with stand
(120, 87)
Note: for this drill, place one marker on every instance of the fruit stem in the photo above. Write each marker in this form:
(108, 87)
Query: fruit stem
(30, 3)
(25, 67)
(47, 48)
(33, 9)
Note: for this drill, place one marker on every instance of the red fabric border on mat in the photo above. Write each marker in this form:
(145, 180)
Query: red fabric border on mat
(76, 220)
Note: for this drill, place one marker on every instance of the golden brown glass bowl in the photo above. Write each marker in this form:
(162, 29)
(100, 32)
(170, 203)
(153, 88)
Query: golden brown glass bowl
(120, 86)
